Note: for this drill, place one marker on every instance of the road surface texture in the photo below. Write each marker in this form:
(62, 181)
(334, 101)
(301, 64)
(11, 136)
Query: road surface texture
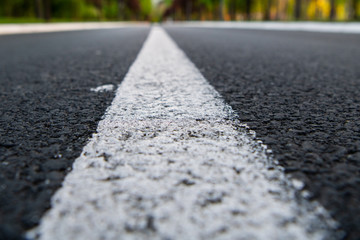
(170, 161)
(300, 92)
(48, 111)
(167, 148)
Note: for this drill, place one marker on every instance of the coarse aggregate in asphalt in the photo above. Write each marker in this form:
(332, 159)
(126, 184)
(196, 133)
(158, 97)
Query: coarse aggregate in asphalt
(300, 92)
(169, 161)
(48, 111)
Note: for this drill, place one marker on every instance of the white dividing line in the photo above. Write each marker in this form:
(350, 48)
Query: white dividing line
(169, 161)
(6, 29)
(283, 26)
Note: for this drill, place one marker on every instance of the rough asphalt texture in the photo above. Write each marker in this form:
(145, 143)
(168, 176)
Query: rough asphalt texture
(301, 93)
(48, 111)
(170, 160)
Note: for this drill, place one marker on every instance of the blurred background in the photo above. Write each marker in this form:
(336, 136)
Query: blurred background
(18, 11)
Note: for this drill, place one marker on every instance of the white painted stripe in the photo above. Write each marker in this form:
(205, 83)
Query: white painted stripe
(6, 29)
(103, 88)
(169, 161)
(283, 26)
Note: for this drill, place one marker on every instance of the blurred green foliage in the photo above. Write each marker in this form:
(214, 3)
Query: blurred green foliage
(74, 10)
(158, 10)
(283, 10)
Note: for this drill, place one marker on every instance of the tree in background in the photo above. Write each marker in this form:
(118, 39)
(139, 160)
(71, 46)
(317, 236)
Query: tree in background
(355, 15)
(39, 9)
(76, 10)
(248, 5)
(17, 8)
(99, 10)
(267, 6)
(332, 10)
(297, 13)
(263, 9)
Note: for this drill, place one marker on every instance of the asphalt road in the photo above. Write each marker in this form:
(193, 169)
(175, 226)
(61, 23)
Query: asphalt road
(48, 111)
(299, 91)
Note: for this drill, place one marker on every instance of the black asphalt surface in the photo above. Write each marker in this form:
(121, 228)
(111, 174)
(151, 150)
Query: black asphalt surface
(300, 92)
(47, 111)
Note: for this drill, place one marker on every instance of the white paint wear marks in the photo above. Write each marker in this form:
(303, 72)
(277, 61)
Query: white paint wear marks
(169, 161)
(103, 88)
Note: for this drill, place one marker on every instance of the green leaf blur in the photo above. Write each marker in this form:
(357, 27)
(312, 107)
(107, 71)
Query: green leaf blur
(160, 10)
(74, 10)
